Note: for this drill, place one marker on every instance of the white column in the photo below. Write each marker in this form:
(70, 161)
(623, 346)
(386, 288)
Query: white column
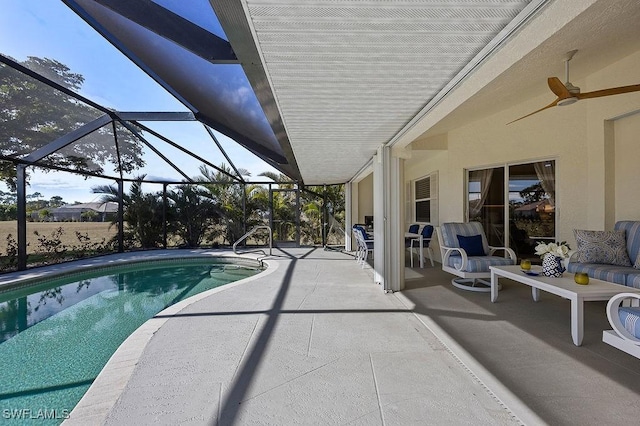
(348, 211)
(388, 209)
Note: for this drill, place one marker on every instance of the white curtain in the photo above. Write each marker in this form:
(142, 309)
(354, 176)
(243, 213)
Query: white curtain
(484, 176)
(546, 172)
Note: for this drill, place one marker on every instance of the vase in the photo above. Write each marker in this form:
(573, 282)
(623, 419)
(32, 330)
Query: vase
(552, 265)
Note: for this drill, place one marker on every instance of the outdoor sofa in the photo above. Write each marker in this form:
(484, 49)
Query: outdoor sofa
(609, 255)
(614, 256)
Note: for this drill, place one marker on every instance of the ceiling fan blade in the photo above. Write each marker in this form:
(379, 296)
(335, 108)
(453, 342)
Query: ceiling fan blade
(609, 92)
(558, 88)
(552, 104)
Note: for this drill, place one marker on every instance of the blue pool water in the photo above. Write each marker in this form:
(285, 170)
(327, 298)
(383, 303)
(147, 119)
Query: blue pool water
(56, 337)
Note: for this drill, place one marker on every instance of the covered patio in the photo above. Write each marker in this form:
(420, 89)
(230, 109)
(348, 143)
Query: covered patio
(416, 109)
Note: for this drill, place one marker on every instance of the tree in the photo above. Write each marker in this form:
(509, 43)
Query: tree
(142, 212)
(33, 114)
(227, 195)
(193, 211)
(45, 215)
(56, 201)
(533, 193)
(89, 216)
(283, 206)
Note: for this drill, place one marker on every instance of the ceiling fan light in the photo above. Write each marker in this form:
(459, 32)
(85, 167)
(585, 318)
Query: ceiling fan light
(567, 101)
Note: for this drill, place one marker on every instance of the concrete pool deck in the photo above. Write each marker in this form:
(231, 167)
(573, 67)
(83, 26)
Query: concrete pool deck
(311, 341)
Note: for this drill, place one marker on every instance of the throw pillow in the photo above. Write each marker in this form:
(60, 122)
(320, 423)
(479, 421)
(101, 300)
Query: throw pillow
(606, 247)
(472, 245)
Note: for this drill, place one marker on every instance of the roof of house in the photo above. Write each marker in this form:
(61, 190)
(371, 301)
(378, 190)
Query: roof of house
(108, 207)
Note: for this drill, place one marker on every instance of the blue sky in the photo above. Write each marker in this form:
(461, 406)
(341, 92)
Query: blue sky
(46, 28)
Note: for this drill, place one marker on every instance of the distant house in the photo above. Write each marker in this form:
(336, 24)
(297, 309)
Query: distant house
(74, 212)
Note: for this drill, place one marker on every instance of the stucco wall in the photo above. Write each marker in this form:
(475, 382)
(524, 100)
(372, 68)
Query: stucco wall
(365, 198)
(595, 142)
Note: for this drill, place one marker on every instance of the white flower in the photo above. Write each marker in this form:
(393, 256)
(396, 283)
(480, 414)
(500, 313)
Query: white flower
(541, 249)
(560, 250)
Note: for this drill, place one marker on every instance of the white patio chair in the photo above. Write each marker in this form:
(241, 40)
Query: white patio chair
(625, 321)
(364, 244)
(466, 253)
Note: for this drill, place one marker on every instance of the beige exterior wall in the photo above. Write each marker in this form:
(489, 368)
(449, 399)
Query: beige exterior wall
(365, 198)
(595, 142)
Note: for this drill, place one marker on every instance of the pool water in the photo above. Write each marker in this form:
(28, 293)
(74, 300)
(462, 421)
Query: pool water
(55, 338)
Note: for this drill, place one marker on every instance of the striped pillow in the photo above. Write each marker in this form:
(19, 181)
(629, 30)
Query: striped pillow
(605, 247)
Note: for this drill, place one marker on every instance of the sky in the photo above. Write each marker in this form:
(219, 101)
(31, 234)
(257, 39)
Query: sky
(49, 29)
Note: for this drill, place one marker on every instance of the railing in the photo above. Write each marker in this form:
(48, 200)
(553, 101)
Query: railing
(253, 231)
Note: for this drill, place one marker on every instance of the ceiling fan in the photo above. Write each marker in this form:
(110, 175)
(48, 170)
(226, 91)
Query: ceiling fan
(567, 93)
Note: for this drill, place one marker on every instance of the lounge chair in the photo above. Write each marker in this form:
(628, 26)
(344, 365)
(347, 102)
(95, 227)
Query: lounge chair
(466, 253)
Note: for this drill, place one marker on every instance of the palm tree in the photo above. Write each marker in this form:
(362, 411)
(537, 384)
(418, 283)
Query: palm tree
(142, 213)
(193, 212)
(227, 194)
(283, 206)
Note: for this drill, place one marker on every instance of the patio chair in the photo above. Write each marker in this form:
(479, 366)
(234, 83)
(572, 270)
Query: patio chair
(364, 244)
(414, 243)
(466, 253)
(625, 321)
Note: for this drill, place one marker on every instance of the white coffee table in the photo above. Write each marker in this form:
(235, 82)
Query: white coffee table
(564, 287)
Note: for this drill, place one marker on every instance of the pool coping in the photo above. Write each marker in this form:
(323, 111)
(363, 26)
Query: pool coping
(104, 392)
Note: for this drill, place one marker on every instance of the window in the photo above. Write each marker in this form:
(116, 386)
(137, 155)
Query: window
(519, 214)
(425, 199)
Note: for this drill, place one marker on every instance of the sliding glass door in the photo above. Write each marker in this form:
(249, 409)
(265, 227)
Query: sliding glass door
(486, 202)
(517, 214)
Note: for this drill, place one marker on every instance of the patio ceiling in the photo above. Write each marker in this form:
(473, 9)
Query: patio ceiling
(337, 80)
(350, 76)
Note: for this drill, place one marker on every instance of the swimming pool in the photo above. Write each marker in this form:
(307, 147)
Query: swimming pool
(57, 335)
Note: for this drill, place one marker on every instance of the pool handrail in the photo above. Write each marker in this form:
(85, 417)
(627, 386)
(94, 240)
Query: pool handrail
(251, 232)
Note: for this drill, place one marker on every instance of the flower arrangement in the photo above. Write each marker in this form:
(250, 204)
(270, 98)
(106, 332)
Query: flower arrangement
(561, 250)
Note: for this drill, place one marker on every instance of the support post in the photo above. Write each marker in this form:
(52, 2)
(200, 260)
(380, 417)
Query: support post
(297, 215)
(348, 210)
(164, 215)
(21, 192)
(388, 216)
(244, 208)
(325, 216)
(120, 216)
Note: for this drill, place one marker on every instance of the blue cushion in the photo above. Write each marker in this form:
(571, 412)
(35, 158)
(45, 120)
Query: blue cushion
(413, 229)
(450, 231)
(611, 273)
(479, 264)
(632, 232)
(472, 245)
(633, 280)
(629, 318)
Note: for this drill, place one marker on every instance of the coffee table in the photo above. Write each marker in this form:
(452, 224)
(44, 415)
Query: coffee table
(564, 287)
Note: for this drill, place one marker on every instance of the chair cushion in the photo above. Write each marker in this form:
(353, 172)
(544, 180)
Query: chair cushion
(451, 230)
(629, 317)
(480, 263)
(413, 229)
(633, 280)
(472, 245)
(632, 230)
(611, 273)
(605, 247)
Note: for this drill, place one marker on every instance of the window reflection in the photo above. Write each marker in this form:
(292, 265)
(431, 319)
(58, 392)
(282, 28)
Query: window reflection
(529, 212)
